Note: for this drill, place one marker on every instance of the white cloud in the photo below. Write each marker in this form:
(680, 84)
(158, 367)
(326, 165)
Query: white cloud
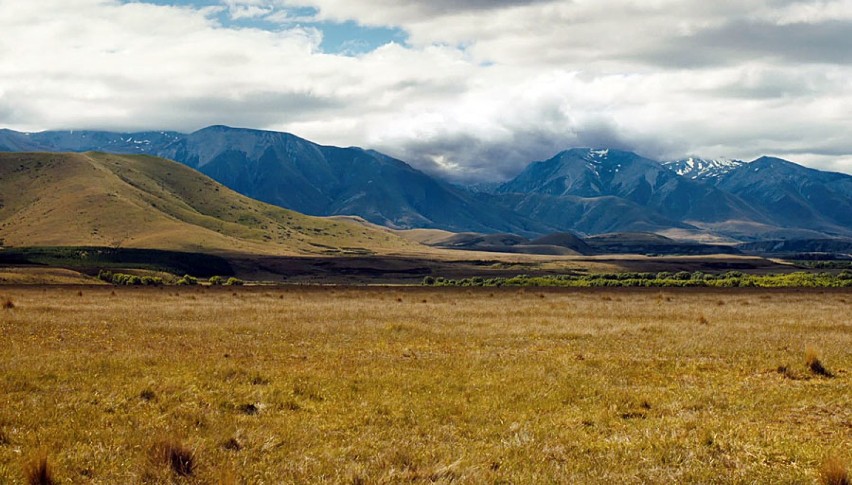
(481, 87)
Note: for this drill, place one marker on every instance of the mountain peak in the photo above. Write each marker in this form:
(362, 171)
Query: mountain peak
(769, 160)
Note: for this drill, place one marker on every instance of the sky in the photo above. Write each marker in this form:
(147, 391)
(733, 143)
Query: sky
(472, 90)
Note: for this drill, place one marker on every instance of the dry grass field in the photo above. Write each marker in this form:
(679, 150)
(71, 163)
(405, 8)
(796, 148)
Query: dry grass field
(391, 385)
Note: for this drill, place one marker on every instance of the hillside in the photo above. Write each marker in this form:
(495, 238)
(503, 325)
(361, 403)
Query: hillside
(96, 199)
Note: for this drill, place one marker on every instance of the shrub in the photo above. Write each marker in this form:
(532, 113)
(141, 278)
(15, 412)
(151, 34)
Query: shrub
(216, 280)
(8, 304)
(234, 282)
(187, 280)
(429, 281)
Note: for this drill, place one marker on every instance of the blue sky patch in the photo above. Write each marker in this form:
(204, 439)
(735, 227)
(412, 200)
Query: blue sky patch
(344, 38)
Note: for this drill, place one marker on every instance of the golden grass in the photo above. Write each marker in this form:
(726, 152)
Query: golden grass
(390, 385)
(44, 276)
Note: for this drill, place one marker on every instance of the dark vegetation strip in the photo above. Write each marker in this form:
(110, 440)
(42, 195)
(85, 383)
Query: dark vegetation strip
(730, 279)
(92, 259)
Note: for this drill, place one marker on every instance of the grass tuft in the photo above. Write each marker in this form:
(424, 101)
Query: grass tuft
(179, 458)
(147, 395)
(232, 444)
(37, 471)
(248, 409)
(787, 372)
(813, 363)
(259, 380)
(834, 472)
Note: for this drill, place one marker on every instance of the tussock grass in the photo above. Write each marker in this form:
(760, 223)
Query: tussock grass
(813, 362)
(38, 471)
(834, 472)
(174, 455)
(355, 387)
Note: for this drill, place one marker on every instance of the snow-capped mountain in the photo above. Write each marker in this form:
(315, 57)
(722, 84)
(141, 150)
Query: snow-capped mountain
(702, 169)
(616, 186)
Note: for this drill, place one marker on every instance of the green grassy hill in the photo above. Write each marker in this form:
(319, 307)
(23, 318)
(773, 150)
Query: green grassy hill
(96, 199)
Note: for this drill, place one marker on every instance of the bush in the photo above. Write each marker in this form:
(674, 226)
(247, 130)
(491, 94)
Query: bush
(105, 275)
(128, 280)
(429, 281)
(216, 280)
(234, 282)
(731, 279)
(187, 280)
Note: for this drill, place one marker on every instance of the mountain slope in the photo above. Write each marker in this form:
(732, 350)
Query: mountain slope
(589, 215)
(288, 171)
(793, 196)
(95, 199)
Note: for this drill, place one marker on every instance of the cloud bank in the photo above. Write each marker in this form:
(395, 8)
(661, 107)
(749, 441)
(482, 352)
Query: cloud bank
(478, 89)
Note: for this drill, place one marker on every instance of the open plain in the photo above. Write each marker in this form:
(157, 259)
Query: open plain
(407, 384)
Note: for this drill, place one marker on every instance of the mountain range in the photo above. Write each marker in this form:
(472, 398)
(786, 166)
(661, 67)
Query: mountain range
(580, 190)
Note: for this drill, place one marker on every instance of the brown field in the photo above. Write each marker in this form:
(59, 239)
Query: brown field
(390, 385)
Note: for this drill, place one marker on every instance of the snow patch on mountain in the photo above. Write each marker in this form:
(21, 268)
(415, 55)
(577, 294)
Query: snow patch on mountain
(702, 168)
